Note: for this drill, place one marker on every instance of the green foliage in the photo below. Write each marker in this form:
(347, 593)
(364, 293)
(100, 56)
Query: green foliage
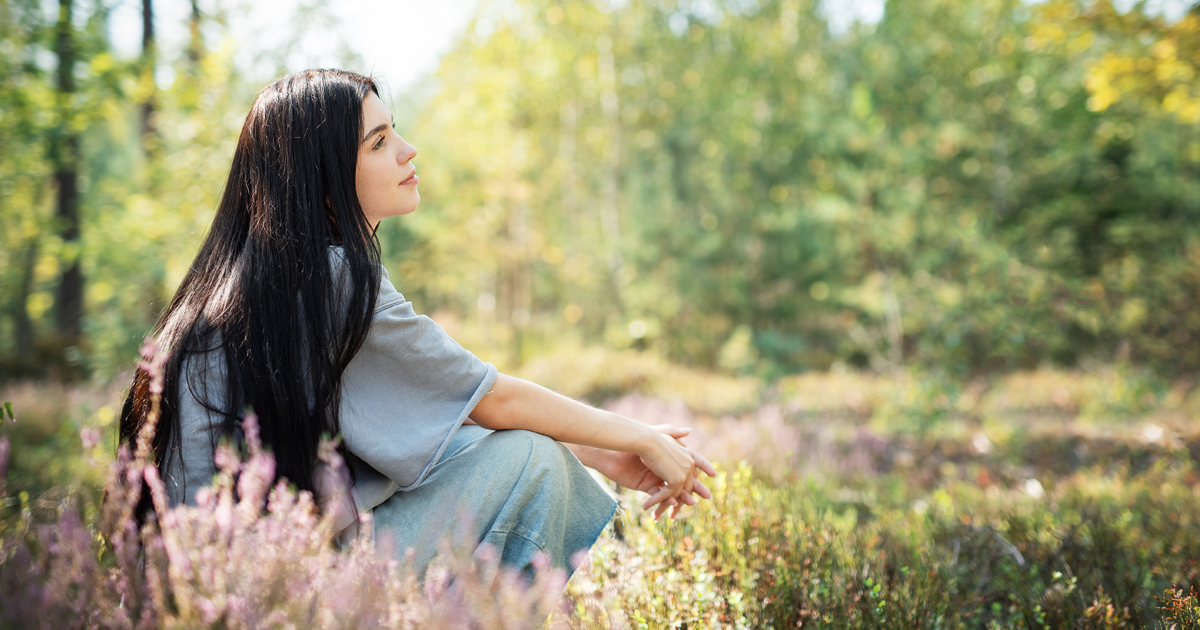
(60, 437)
(1180, 610)
(964, 187)
(934, 189)
(811, 554)
(1053, 519)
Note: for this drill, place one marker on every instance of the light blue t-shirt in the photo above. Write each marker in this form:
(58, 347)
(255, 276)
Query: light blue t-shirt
(404, 395)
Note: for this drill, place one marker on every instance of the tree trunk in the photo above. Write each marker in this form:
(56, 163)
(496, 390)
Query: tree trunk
(610, 209)
(148, 63)
(610, 221)
(196, 43)
(23, 330)
(65, 150)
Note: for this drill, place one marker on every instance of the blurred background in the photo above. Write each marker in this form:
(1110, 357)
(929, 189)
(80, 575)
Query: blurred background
(754, 187)
(906, 214)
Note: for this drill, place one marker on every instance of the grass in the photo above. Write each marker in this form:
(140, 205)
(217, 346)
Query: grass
(1046, 499)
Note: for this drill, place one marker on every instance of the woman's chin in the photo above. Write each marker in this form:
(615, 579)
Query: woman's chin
(412, 203)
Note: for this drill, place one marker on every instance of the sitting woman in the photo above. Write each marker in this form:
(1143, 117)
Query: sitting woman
(286, 310)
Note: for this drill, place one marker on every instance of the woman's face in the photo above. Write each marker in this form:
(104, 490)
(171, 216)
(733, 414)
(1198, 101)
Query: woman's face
(386, 178)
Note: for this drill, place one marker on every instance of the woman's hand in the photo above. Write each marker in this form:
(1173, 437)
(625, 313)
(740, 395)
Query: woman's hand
(514, 403)
(632, 471)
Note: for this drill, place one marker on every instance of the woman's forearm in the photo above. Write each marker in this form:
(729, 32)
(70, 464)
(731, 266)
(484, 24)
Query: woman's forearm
(515, 403)
(590, 456)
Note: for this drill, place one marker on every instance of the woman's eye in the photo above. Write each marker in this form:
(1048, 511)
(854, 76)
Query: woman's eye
(379, 142)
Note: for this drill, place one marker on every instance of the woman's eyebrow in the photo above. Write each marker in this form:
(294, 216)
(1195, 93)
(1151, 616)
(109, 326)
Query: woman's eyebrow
(374, 130)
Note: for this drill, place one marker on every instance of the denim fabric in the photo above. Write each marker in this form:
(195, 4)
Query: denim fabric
(518, 491)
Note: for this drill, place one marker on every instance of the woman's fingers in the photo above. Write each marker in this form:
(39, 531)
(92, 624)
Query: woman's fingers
(703, 464)
(673, 431)
(674, 504)
(658, 496)
(663, 507)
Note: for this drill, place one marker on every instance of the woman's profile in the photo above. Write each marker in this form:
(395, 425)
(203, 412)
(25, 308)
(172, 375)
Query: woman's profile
(286, 310)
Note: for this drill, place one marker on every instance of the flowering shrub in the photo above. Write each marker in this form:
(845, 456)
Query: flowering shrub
(230, 562)
(1090, 553)
(1181, 611)
(832, 522)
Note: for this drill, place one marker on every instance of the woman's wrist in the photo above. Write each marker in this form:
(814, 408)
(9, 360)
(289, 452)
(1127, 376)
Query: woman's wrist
(648, 442)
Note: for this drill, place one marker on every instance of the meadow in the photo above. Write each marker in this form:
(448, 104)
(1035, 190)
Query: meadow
(1041, 499)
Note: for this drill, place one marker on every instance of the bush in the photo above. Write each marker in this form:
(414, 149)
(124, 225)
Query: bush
(249, 555)
(831, 525)
(1090, 552)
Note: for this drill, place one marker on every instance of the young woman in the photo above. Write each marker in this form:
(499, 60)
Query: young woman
(287, 311)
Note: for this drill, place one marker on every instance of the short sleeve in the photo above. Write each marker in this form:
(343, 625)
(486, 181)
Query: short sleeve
(404, 395)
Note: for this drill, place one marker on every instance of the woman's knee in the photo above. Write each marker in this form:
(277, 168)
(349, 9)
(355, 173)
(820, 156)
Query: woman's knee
(533, 453)
(520, 441)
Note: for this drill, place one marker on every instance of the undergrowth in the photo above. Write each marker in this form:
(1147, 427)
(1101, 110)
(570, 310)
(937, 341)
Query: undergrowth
(1031, 503)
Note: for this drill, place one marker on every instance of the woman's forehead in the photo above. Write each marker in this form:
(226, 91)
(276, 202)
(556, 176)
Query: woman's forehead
(375, 112)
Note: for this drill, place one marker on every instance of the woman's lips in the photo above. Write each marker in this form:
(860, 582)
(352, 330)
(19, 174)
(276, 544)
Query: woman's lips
(412, 179)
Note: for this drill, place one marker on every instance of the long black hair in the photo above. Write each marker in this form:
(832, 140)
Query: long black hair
(263, 291)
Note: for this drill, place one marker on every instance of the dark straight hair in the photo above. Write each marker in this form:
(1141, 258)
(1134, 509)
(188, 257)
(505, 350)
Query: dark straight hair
(263, 293)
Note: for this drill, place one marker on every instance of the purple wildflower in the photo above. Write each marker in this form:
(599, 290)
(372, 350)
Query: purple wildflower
(5, 449)
(90, 437)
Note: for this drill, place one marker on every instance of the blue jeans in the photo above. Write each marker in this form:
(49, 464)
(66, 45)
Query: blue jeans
(518, 491)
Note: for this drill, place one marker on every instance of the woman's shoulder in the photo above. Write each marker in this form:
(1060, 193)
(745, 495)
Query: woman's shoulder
(388, 294)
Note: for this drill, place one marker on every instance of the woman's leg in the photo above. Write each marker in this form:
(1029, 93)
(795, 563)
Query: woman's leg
(518, 491)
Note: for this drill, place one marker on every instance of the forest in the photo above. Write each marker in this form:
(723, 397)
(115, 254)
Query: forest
(963, 187)
(927, 287)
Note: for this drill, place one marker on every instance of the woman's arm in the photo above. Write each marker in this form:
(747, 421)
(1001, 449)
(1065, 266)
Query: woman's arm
(515, 403)
(628, 470)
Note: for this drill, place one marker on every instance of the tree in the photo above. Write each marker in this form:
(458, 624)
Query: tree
(64, 151)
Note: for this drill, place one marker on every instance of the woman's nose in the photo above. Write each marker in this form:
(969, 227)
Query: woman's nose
(407, 152)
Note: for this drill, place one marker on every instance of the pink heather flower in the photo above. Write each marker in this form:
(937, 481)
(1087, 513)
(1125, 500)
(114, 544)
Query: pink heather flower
(540, 561)
(486, 554)
(224, 515)
(90, 437)
(5, 449)
(154, 359)
(250, 428)
(158, 491)
(208, 611)
(437, 579)
(579, 560)
(149, 349)
(327, 452)
(239, 609)
(256, 479)
(225, 459)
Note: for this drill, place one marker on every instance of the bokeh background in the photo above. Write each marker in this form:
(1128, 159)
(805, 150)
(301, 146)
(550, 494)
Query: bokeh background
(761, 188)
(931, 269)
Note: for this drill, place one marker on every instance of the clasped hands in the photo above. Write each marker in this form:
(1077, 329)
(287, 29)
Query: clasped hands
(667, 471)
